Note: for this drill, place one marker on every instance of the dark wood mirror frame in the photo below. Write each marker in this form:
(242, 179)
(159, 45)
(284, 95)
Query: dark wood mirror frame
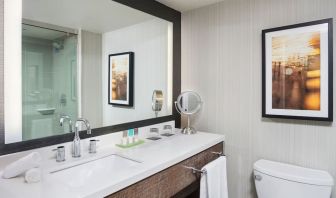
(148, 6)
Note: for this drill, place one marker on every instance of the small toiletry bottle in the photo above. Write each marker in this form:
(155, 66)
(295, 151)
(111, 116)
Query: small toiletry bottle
(124, 138)
(136, 135)
(130, 136)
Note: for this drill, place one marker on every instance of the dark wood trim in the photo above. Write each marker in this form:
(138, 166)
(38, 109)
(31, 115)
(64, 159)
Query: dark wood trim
(154, 8)
(149, 6)
(330, 70)
(176, 68)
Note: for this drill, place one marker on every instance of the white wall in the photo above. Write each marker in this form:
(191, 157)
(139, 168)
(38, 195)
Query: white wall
(91, 91)
(149, 42)
(221, 60)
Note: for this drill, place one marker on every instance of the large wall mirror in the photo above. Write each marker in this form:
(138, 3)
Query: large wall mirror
(72, 57)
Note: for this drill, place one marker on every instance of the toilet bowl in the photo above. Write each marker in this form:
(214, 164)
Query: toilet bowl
(279, 180)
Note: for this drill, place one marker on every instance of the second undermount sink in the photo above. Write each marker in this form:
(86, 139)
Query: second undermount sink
(86, 173)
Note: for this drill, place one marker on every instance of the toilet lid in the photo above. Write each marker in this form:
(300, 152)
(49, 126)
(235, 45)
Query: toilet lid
(294, 173)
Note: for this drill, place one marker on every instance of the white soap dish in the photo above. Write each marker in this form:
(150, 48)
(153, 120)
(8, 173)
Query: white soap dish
(47, 111)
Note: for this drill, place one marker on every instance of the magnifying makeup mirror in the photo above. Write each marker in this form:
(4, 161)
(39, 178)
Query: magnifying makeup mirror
(188, 103)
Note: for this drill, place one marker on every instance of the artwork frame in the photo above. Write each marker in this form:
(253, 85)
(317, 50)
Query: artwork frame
(118, 93)
(297, 74)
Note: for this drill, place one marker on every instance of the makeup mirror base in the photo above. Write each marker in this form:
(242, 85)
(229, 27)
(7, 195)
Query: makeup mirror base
(188, 130)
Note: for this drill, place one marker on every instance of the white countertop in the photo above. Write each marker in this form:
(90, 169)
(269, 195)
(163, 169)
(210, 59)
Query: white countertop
(99, 180)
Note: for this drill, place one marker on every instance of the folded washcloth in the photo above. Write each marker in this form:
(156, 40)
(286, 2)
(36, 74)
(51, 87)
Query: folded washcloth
(33, 175)
(20, 166)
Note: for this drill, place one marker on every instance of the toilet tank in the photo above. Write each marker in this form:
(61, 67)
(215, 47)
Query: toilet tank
(279, 180)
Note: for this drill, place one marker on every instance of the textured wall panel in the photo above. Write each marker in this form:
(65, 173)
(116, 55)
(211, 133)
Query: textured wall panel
(92, 95)
(221, 59)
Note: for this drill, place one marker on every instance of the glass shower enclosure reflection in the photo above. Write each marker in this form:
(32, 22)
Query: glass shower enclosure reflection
(49, 80)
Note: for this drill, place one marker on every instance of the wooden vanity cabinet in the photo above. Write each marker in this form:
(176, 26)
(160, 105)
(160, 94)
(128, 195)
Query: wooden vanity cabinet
(175, 181)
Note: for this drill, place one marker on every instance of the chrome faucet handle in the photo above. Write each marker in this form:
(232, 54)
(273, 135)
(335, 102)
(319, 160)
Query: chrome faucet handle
(93, 146)
(60, 153)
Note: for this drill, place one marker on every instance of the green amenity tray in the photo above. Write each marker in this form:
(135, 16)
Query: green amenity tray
(131, 145)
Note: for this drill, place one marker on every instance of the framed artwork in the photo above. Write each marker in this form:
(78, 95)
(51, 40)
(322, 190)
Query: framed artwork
(297, 71)
(120, 79)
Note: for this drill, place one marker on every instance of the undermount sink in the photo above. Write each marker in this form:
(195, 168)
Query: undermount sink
(91, 171)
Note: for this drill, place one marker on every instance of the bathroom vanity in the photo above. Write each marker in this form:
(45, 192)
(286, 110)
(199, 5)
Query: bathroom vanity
(175, 181)
(154, 169)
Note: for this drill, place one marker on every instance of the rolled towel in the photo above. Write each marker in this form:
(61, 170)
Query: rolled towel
(20, 166)
(33, 175)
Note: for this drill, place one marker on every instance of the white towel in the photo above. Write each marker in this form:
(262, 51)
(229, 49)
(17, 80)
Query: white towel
(214, 182)
(20, 166)
(33, 175)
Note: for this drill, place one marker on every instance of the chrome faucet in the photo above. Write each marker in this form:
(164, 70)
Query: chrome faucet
(76, 148)
(66, 118)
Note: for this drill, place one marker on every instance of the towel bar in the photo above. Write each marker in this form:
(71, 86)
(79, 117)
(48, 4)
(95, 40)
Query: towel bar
(195, 170)
(218, 153)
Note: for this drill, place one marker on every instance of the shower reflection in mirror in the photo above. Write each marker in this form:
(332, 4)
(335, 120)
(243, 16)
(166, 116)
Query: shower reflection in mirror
(49, 55)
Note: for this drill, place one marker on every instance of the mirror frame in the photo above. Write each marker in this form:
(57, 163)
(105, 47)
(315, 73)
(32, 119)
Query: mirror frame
(150, 7)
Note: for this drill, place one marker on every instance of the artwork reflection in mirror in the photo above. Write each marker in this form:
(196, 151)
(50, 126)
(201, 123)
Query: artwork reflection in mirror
(56, 64)
(120, 83)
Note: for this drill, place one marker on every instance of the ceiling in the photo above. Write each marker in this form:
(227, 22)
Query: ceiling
(185, 5)
(92, 15)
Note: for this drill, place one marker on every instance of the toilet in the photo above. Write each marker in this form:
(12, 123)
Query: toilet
(280, 180)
